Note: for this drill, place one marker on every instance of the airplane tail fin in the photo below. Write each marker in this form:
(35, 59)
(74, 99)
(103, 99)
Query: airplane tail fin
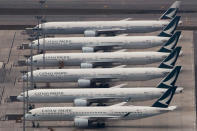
(165, 99)
(170, 79)
(171, 59)
(172, 11)
(170, 28)
(171, 43)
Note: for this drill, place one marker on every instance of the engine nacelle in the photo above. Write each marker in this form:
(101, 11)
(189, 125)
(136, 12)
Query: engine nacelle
(84, 83)
(80, 102)
(81, 122)
(90, 33)
(87, 49)
(86, 65)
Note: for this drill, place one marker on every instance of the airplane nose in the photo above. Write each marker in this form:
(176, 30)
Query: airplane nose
(28, 116)
(179, 90)
(27, 62)
(180, 23)
(19, 98)
(24, 77)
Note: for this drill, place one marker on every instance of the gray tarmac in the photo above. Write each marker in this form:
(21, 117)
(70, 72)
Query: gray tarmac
(182, 119)
(187, 5)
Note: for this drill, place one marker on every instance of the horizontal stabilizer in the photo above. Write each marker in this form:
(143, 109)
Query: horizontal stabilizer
(165, 99)
(168, 31)
(170, 79)
(171, 43)
(172, 11)
(170, 60)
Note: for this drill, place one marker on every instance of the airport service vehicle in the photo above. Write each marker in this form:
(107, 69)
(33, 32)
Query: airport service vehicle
(101, 96)
(91, 76)
(90, 116)
(93, 44)
(96, 28)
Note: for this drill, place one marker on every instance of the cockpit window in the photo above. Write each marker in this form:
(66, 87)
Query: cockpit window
(29, 112)
(21, 94)
(35, 61)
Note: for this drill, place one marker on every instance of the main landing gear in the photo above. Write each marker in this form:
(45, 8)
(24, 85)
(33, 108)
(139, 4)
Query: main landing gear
(35, 125)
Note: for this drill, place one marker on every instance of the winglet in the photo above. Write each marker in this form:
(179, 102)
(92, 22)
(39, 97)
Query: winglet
(120, 104)
(170, 60)
(171, 43)
(120, 66)
(170, 28)
(172, 11)
(119, 86)
(170, 79)
(165, 99)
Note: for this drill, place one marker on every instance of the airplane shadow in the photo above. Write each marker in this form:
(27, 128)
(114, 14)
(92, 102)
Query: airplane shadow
(121, 126)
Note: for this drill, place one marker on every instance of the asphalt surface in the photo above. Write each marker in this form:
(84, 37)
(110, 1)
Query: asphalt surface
(195, 64)
(187, 5)
(184, 118)
(181, 119)
(20, 22)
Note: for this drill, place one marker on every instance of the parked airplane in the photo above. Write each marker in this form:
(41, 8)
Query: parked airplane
(89, 116)
(87, 96)
(96, 28)
(92, 44)
(89, 77)
(104, 59)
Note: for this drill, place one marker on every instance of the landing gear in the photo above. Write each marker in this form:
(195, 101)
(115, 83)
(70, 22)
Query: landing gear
(31, 106)
(47, 84)
(35, 86)
(93, 84)
(101, 104)
(101, 124)
(104, 85)
(35, 125)
(41, 51)
(61, 64)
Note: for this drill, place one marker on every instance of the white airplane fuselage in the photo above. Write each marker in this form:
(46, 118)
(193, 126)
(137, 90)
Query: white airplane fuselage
(77, 43)
(80, 27)
(76, 59)
(114, 112)
(116, 74)
(107, 94)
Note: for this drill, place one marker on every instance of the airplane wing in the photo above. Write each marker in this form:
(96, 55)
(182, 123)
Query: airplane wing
(120, 66)
(111, 31)
(103, 63)
(120, 104)
(122, 50)
(102, 79)
(105, 46)
(102, 99)
(126, 19)
(119, 86)
(106, 99)
(96, 118)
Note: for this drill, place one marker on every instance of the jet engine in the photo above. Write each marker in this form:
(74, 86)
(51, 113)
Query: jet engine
(81, 122)
(81, 102)
(84, 83)
(87, 49)
(90, 33)
(86, 65)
